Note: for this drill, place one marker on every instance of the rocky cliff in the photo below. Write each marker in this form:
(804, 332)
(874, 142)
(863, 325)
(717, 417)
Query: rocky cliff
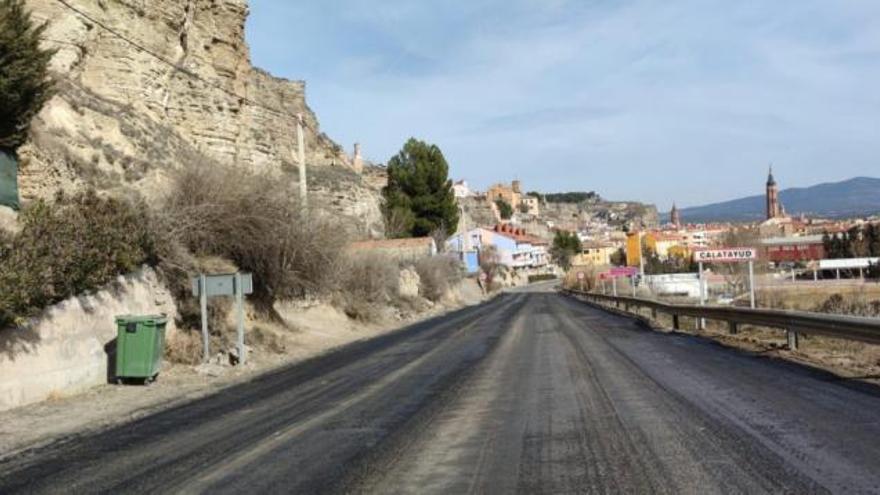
(146, 86)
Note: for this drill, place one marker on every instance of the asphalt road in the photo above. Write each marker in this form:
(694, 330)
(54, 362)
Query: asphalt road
(530, 393)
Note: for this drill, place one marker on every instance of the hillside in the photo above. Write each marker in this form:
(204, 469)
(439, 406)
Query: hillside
(145, 88)
(851, 198)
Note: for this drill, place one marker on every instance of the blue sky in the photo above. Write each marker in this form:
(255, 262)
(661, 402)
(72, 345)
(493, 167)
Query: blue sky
(651, 100)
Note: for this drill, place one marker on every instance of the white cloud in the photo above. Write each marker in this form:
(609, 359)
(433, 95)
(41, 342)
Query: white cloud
(570, 94)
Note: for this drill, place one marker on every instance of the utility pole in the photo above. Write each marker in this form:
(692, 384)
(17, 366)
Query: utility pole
(641, 256)
(301, 152)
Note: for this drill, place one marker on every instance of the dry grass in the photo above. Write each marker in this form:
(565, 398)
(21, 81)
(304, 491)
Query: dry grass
(184, 347)
(369, 283)
(438, 276)
(256, 222)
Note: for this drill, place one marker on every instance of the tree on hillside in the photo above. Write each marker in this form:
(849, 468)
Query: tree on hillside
(504, 209)
(419, 199)
(566, 245)
(24, 81)
(873, 235)
(618, 258)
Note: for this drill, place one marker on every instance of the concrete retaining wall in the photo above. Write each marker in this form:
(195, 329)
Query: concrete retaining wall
(65, 350)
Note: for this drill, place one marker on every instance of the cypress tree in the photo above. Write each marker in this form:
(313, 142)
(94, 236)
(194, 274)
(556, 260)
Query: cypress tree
(24, 82)
(419, 198)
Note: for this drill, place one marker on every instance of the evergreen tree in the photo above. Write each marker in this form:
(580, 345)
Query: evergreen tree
(504, 209)
(873, 236)
(566, 245)
(24, 82)
(419, 195)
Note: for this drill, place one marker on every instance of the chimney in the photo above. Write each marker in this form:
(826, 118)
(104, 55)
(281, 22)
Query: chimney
(357, 161)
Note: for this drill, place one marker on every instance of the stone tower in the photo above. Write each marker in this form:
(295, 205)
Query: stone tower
(675, 216)
(773, 209)
(357, 161)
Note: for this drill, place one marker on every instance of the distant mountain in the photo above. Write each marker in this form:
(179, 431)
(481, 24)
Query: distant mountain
(851, 198)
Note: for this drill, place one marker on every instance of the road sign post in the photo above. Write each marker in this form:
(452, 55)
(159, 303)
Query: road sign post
(203, 301)
(752, 283)
(729, 255)
(232, 284)
(701, 323)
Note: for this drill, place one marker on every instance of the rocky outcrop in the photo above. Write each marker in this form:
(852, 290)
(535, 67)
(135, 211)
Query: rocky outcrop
(574, 216)
(145, 87)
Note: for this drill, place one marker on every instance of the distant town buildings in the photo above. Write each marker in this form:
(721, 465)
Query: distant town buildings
(514, 248)
(511, 194)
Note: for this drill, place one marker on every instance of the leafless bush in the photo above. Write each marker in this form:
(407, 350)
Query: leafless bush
(438, 275)
(184, 347)
(368, 284)
(255, 221)
(490, 264)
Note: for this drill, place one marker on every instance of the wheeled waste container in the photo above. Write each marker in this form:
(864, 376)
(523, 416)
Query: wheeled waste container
(140, 343)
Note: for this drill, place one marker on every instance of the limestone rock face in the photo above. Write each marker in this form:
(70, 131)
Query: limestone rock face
(173, 85)
(408, 284)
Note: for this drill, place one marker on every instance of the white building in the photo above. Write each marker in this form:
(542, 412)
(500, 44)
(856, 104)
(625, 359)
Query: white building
(461, 189)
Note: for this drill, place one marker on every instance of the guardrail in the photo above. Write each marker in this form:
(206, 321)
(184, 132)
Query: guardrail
(794, 323)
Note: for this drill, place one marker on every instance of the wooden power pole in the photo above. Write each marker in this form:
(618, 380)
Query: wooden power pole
(301, 152)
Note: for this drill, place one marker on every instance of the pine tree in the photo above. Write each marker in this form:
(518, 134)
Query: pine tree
(565, 246)
(24, 82)
(873, 236)
(419, 192)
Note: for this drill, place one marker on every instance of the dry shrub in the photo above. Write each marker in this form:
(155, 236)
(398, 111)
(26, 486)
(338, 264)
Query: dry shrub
(184, 347)
(267, 338)
(439, 275)
(368, 283)
(68, 247)
(255, 221)
(859, 306)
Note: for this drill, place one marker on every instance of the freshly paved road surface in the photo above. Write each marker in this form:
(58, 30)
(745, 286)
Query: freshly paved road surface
(530, 393)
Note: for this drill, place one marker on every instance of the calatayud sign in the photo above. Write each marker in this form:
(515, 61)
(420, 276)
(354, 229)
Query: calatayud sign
(726, 255)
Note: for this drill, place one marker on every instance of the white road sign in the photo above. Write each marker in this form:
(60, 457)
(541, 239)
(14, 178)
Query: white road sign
(726, 255)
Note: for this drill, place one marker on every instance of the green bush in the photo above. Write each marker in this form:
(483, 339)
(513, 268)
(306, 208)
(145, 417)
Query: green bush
(69, 247)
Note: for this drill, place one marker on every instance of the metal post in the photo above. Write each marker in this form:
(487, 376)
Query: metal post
(793, 276)
(792, 340)
(641, 255)
(733, 328)
(604, 287)
(239, 299)
(838, 274)
(632, 281)
(815, 275)
(301, 154)
(752, 283)
(701, 322)
(614, 282)
(862, 274)
(203, 300)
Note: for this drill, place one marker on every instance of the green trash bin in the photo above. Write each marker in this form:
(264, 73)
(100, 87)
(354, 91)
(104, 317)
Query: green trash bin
(140, 343)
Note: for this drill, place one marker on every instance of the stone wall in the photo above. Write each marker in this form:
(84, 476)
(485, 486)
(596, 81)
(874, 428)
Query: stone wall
(63, 351)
